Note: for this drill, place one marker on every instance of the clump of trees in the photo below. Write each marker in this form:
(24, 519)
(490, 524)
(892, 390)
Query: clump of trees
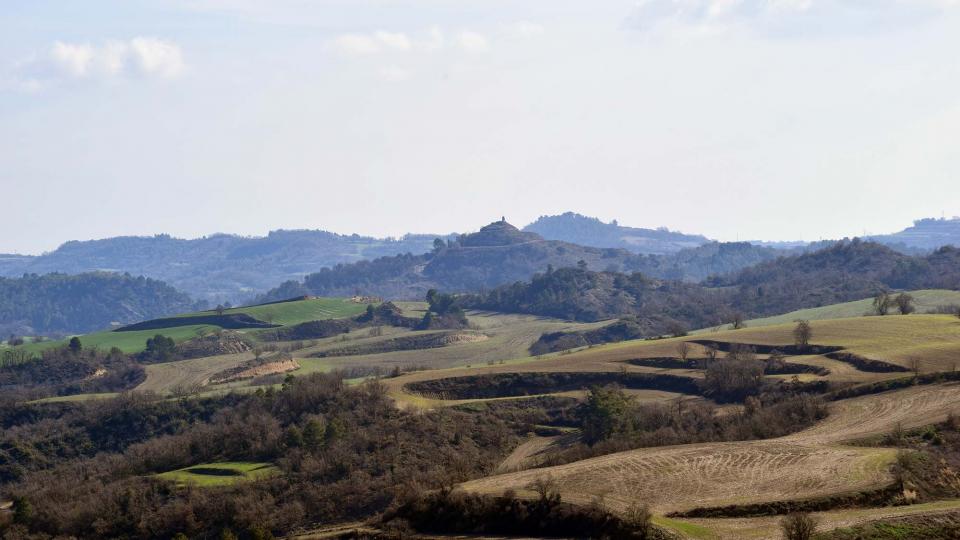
(444, 311)
(905, 304)
(884, 302)
(611, 421)
(734, 378)
(159, 348)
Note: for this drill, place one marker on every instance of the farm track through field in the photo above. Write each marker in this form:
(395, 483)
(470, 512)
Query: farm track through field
(808, 464)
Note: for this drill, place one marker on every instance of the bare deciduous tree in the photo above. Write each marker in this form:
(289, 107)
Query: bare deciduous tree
(881, 304)
(738, 321)
(802, 334)
(683, 350)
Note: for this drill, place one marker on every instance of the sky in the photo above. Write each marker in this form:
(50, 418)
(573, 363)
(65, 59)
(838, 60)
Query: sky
(737, 119)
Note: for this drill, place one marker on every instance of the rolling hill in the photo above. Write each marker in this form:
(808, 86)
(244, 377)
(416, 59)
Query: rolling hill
(58, 303)
(842, 272)
(219, 267)
(499, 254)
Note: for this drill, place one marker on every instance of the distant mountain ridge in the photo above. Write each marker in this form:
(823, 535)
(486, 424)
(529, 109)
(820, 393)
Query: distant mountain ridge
(219, 267)
(589, 231)
(224, 267)
(927, 234)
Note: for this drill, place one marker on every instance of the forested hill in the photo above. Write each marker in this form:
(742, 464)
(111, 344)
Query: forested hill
(842, 272)
(500, 254)
(61, 304)
(590, 231)
(218, 267)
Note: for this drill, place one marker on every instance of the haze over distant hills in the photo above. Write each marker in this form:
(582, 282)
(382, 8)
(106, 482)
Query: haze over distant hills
(590, 231)
(219, 267)
(233, 268)
(927, 234)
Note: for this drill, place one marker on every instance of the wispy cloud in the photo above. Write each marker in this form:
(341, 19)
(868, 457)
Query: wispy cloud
(146, 57)
(784, 17)
(473, 42)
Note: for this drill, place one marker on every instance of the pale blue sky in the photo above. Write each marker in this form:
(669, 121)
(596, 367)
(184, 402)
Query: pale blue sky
(769, 119)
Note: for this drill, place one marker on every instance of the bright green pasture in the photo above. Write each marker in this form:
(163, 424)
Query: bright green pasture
(287, 313)
(220, 474)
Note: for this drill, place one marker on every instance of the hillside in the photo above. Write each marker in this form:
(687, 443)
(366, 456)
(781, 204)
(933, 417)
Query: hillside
(925, 301)
(219, 267)
(499, 254)
(589, 231)
(60, 304)
(925, 234)
(842, 272)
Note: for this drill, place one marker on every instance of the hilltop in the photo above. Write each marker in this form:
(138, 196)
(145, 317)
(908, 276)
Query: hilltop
(590, 231)
(500, 253)
(496, 254)
(925, 234)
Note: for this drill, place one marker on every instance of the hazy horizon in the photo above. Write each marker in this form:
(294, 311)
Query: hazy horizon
(744, 119)
(263, 234)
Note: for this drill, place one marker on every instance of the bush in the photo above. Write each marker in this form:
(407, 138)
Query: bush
(798, 526)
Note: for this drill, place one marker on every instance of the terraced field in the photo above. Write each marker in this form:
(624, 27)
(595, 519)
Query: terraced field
(817, 462)
(808, 464)
(509, 338)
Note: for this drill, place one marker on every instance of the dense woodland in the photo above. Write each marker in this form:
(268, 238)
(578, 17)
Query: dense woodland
(61, 304)
(343, 452)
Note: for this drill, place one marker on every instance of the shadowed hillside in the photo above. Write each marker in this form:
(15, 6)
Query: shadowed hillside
(57, 303)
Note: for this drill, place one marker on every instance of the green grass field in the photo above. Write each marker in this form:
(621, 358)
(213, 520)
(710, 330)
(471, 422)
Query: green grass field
(220, 474)
(925, 301)
(284, 314)
(287, 313)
